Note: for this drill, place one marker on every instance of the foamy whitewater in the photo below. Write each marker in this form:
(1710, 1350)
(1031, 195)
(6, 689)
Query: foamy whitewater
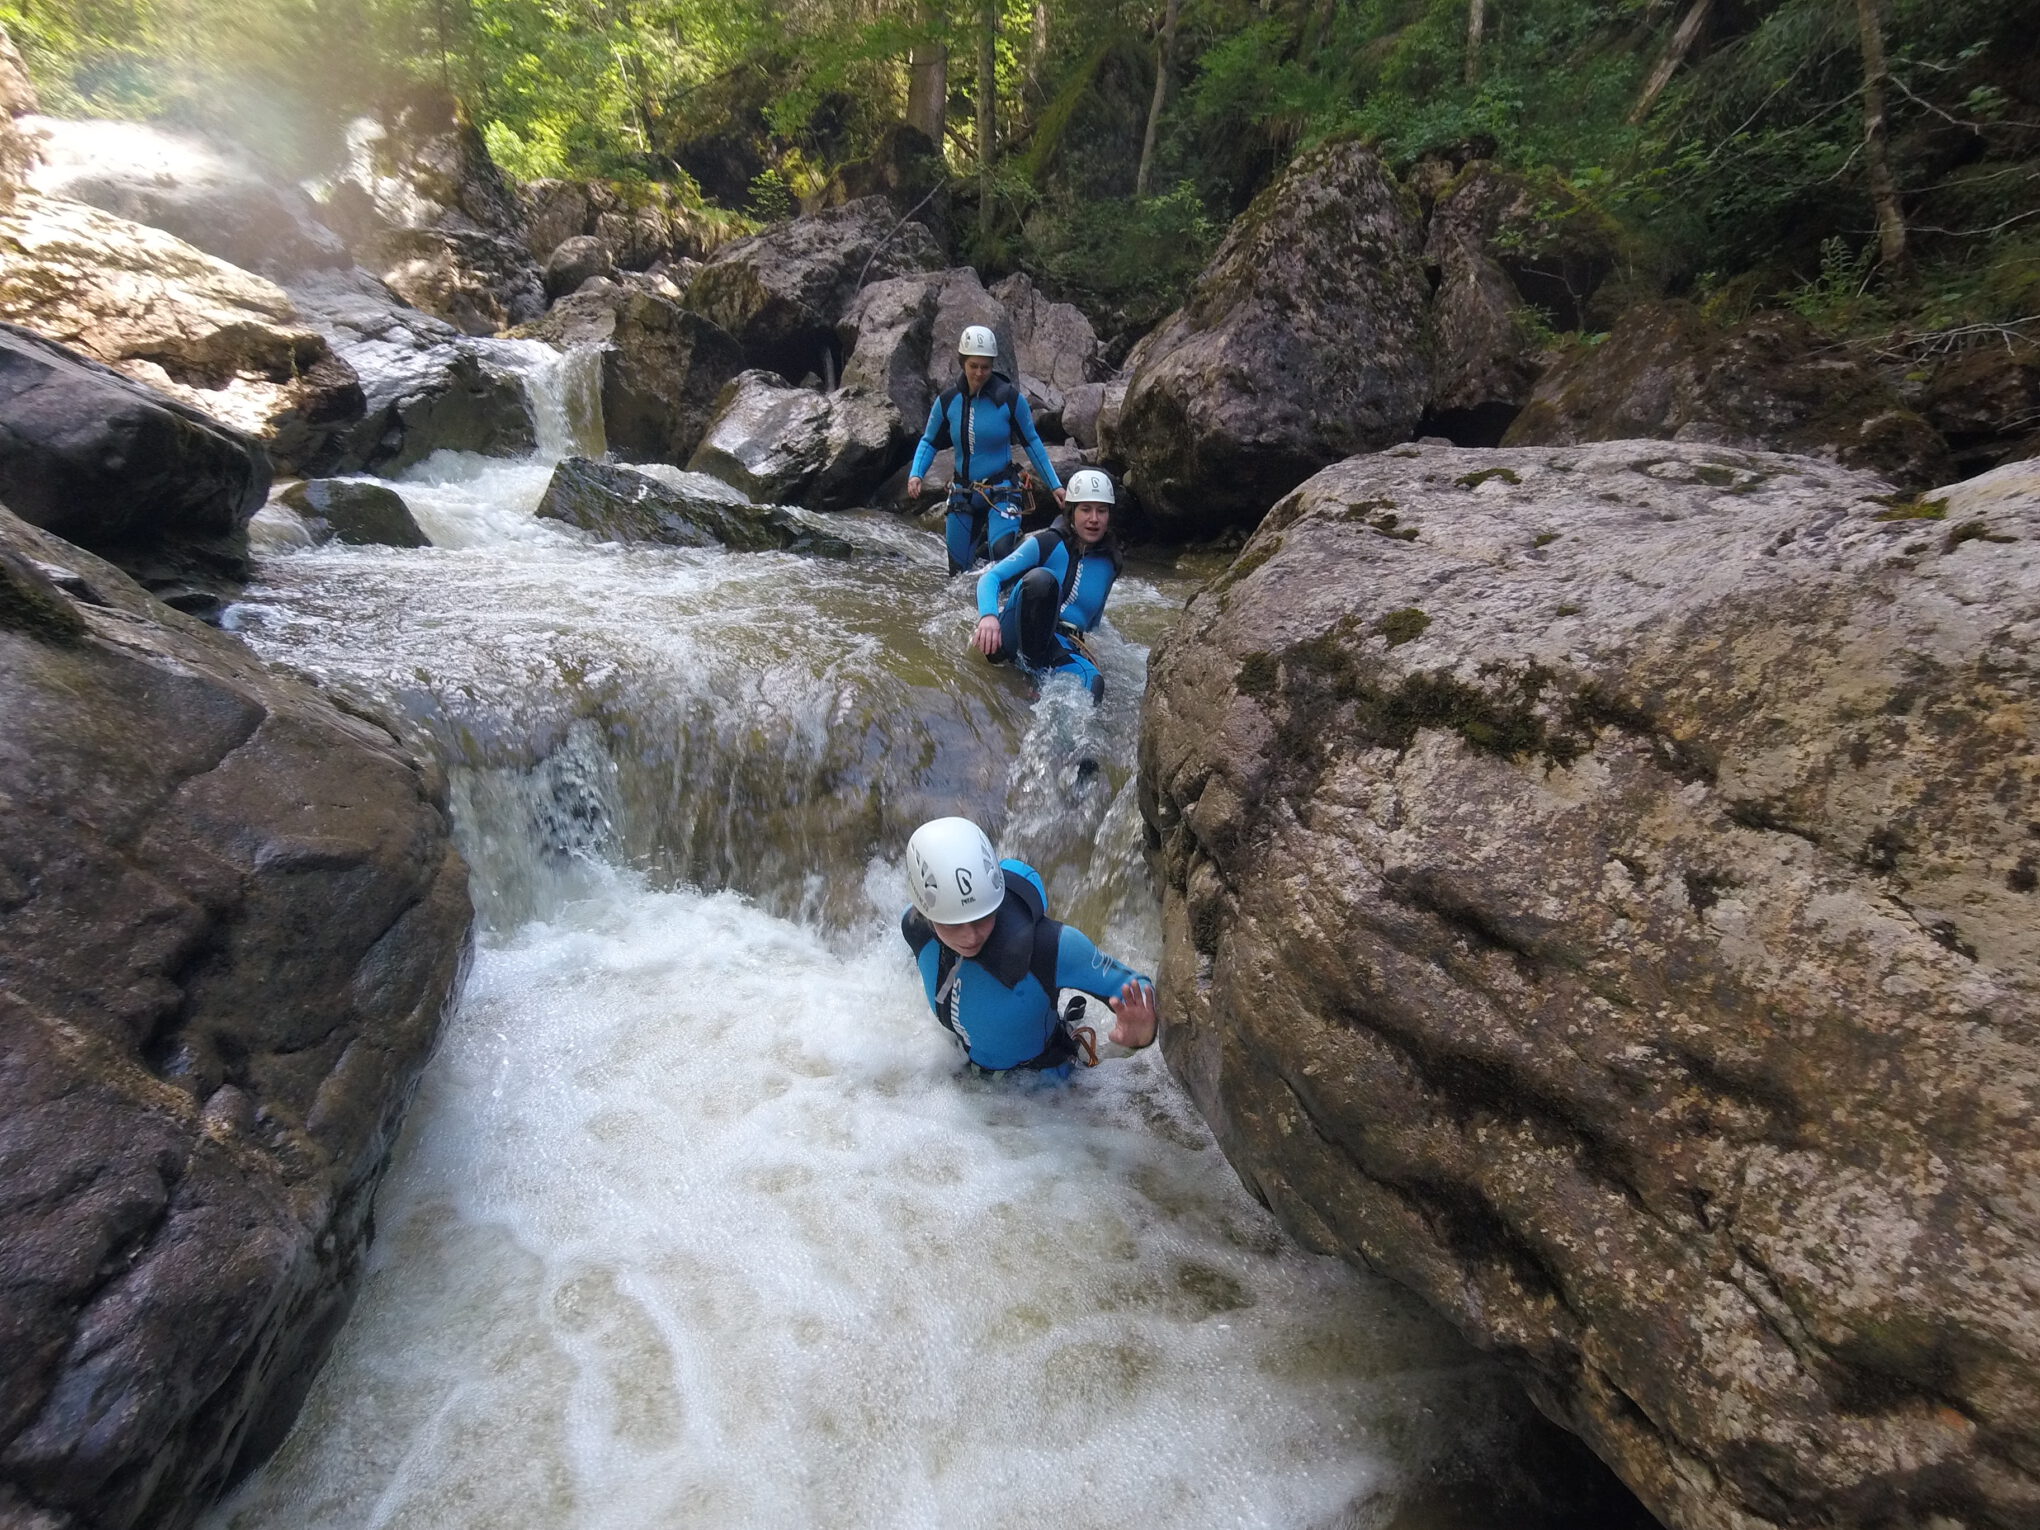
(694, 1222)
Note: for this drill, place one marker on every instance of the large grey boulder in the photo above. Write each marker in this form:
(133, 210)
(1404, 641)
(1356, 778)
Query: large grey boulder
(1771, 381)
(575, 261)
(640, 223)
(663, 367)
(1600, 894)
(619, 505)
(1053, 341)
(422, 205)
(784, 445)
(781, 292)
(425, 386)
(209, 193)
(1306, 339)
(184, 322)
(231, 914)
(137, 477)
(900, 337)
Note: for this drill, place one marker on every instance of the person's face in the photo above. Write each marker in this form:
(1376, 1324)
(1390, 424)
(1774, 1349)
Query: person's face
(1089, 521)
(977, 370)
(966, 939)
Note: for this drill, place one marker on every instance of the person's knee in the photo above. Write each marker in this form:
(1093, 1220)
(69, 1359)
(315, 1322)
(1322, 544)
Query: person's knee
(1005, 544)
(1039, 584)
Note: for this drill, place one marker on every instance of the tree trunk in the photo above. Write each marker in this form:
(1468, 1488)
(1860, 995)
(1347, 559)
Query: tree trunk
(1675, 54)
(1883, 189)
(1165, 65)
(928, 90)
(1476, 19)
(987, 112)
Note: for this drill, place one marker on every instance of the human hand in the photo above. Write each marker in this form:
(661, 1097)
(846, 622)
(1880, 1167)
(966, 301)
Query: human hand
(1135, 1020)
(1062, 499)
(987, 639)
(913, 488)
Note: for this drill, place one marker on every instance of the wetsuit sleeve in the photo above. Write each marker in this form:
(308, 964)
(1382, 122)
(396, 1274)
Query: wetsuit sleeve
(1023, 417)
(924, 454)
(1079, 964)
(1004, 572)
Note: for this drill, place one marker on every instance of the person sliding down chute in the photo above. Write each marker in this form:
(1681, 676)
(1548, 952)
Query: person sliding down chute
(1036, 603)
(993, 962)
(980, 416)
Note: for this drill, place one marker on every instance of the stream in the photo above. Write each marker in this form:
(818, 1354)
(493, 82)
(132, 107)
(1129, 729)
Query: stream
(694, 1221)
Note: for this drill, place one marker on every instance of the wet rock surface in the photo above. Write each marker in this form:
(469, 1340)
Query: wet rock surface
(1770, 382)
(618, 505)
(663, 367)
(1599, 894)
(230, 915)
(425, 386)
(138, 477)
(782, 292)
(1305, 340)
(350, 510)
(785, 445)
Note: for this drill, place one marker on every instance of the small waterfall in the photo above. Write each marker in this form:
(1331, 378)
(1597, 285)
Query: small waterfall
(564, 391)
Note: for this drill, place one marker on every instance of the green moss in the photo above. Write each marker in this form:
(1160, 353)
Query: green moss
(31, 605)
(1714, 475)
(1544, 539)
(1244, 565)
(1475, 480)
(1402, 626)
(1258, 676)
(1904, 509)
(1972, 531)
(1567, 609)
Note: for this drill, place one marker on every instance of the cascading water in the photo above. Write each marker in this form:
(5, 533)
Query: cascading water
(694, 1222)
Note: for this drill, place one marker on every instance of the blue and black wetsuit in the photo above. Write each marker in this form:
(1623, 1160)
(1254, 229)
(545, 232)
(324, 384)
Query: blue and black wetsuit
(1047, 593)
(1000, 1004)
(984, 496)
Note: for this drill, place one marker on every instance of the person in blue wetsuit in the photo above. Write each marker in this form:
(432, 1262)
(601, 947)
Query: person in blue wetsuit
(993, 962)
(1036, 603)
(980, 417)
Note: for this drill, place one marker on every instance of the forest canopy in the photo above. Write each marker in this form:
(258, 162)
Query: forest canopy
(1868, 162)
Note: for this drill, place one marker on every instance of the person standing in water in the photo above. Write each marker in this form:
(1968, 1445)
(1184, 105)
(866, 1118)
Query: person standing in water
(1036, 604)
(981, 416)
(993, 962)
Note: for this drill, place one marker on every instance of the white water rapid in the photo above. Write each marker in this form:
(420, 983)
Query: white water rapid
(694, 1222)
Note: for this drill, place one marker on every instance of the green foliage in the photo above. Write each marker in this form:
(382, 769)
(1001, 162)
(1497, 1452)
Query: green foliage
(1128, 264)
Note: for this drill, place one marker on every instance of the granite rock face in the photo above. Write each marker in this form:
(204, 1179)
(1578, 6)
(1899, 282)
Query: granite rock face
(1305, 340)
(1053, 341)
(1771, 382)
(230, 915)
(424, 207)
(782, 292)
(1600, 893)
(210, 194)
(784, 445)
(133, 475)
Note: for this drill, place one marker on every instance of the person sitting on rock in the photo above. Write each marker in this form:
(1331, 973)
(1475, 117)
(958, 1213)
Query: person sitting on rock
(993, 962)
(981, 417)
(1037, 602)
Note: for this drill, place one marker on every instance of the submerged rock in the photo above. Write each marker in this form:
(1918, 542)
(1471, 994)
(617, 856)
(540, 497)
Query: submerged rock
(618, 505)
(137, 477)
(1768, 382)
(1305, 340)
(348, 510)
(1600, 895)
(788, 445)
(230, 916)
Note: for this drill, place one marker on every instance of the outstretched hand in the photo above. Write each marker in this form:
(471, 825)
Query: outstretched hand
(987, 639)
(1134, 1016)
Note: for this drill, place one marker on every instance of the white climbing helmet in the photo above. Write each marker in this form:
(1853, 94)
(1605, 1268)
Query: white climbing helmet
(952, 874)
(1088, 486)
(977, 341)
